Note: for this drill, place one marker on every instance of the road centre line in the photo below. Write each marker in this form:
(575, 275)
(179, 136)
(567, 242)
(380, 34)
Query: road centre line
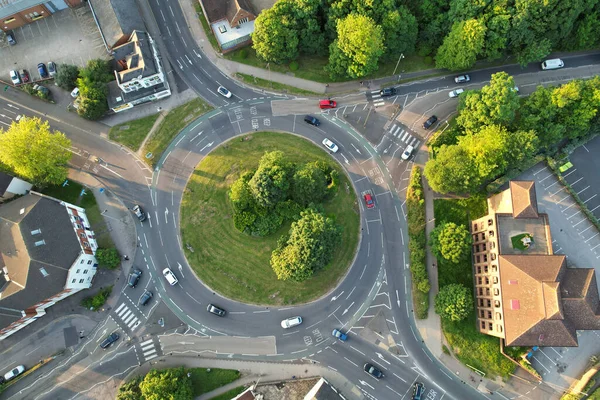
(299, 351)
(291, 333)
(351, 362)
(358, 351)
(316, 323)
(260, 312)
(397, 376)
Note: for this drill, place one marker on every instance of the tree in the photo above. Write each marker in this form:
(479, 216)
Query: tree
(358, 47)
(275, 37)
(93, 92)
(308, 248)
(462, 45)
(66, 76)
(577, 102)
(454, 302)
(401, 30)
(130, 390)
(271, 181)
(108, 258)
(97, 70)
(309, 184)
(452, 170)
(168, 384)
(451, 242)
(34, 153)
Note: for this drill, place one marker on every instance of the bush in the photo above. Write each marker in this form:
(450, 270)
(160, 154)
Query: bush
(454, 302)
(294, 66)
(108, 258)
(66, 76)
(96, 302)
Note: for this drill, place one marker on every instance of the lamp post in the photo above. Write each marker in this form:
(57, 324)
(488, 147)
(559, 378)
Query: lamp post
(399, 58)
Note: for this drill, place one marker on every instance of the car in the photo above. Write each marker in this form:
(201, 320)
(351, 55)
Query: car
(10, 38)
(369, 200)
(42, 70)
(330, 145)
(432, 120)
(407, 152)
(515, 89)
(325, 104)
(51, 68)
(309, 119)
(13, 373)
(42, 89)
(340, 335)
(75, 93)
(291, 322)
(110, 339)
(24, 75)
(15, 78)
(462, 78)
(389, 91)
(373, 371)
(455, 93)
(224, 92)
(145, 298)
(211, 308)
(139, 212)
(418, 390)
(170, 276)
(134, 277)
(554, 63)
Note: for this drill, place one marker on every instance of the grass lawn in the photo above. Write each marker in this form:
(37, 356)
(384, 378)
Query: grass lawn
(204, 381)
(132, 133)
(237, 265)
(517, 241)
(230, 394)
(174, 122)
(263, 83)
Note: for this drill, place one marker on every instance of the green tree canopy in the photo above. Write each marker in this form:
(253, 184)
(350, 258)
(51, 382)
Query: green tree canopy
(451, 242)
(66, 76)
(93, 91)
(108, 258)
(461, 47)
(271, 182)
(34, 153)
(452, 170)
(168, 384)
(276, 36)
(454, 302)
(309, 184)
(130, 390)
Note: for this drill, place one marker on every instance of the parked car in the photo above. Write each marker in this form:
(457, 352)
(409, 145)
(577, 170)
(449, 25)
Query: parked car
(325, 104)
(369, 200)
(10, 38)
(42, 89)
(340, 335)
(432, 120)
(291, 322)
(418, 390)
(134, 277)
(24, 75)
(330, 145)
(389, 91)
(137, 210)
(42, 70)
(51, 68)
(554, 63)
(407, 152)
(15, 78)
(224, 92)
(462, 78)
(456, 93)
(170, 276)
(309, 119)
(145, 297)
(75, 93)
(110, 339)
(13, 373)
(373, 371)
(211, 308)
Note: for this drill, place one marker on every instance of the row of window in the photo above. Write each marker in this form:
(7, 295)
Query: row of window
(490, 223)
(80, 281)
(483, 313)
(486, 268)
(481, 280)
(488, 303)
(486, 291)
(82, 260)
(490, 326)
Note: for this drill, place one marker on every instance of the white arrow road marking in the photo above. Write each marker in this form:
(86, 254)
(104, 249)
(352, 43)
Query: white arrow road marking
(366, 384)
(346, 310)
(357, 150)
(180, 270)
(345, 159)
(208, 145)
(166, 214)
(334, 298)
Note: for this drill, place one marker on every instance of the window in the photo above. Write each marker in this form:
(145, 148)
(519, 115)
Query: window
(89, 262)
(483, 236)
(496, 292)
(77, 271)
(493, 256)
(81, 280)
(497, 303)
(243, 20)
(487, 280)
(478, 270)
(36, 231)
(487, 291)
(494, 268)
(495, 279)
(8, 21)
(481, 313)
(73, 281)
(44, 272)
(490, 222)
(482, 325)
(490, 326)
(40, 243)
(500, 328)
(489, 315)
(479, 280)
(498, 316)
(79, 226)
(81, 262)
(474, 227)
(222, 29)
(513, 282)
(485, 269)
(484, 247)
(85, 271)
(478, 259)
(489, 303)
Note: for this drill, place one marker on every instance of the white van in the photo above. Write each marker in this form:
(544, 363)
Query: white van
(554, 63)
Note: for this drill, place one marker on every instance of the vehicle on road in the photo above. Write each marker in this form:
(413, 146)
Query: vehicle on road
(325, 104)
(407, 152)
(418, 390)
(139, 212)
(134, 277)
(110, 339)
(10, 38)
(554, 63)
(14, 77)
(432, 120)
(373, 371)
(13, 373)
(291, 322)
(368, 196)
(24, 75)
(455, 93)
(211, 308)
(75, 93)
(224, 92)
(462, 78)
(170, 276)
(340, 335)
(309, 119)
(42, 70)
(51, 68)
(145, 298)
(330, 145)
(389, 91)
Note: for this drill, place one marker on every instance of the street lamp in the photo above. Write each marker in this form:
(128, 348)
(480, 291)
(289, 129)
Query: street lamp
(399, 58)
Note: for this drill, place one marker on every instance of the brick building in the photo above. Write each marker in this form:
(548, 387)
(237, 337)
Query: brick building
(232, 22)
(16, 13)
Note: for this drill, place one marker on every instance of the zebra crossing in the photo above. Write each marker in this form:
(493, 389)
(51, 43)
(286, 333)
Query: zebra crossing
(148, 350)
(404, 136)
(126, 315)
(377, 99)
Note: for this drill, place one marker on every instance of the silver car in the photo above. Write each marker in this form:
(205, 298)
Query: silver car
(291, 322)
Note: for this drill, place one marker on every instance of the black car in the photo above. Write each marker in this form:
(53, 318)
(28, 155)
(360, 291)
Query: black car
(134, 277)
(145, 298)
(211, 308)
(42, 70)
(110, 339)
(309, 119)
(389, 91)
(418, 390)
(432, 120)
(373, 371)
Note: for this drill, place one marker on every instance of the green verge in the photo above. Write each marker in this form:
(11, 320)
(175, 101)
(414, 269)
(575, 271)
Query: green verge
(230, 394)
(270, 85)
(204, 381)
(209, 33)
(237, 265)
(132, 133)
(469, 345)
(172, 124)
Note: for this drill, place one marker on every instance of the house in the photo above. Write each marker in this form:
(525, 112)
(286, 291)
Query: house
(46, 255)
(232, 22)
(323, 390)
(11, 186)
(525, 294)
(17, 13)
(116, 20)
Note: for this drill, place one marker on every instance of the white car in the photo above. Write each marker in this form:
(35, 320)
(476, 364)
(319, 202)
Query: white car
(407, 152)
(170, 276)
(291, 322)
(330, 145)
(75, 93)
(456, 93)
(14, 372)
(224, 92)
(14, 77)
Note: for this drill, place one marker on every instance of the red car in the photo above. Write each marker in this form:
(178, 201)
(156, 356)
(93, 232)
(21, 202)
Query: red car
(324, 104)
(24, 75)
(369, 200)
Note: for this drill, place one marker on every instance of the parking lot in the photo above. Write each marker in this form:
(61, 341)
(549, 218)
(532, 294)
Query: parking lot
(69, 36)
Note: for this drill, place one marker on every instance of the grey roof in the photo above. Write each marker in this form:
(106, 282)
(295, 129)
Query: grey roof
(117, 19)
(4, 182)
(217, 10)
(10, 7)
(135, 57)
(116, 97)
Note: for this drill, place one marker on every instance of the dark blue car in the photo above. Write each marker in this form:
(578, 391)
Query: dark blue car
(42, 70)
